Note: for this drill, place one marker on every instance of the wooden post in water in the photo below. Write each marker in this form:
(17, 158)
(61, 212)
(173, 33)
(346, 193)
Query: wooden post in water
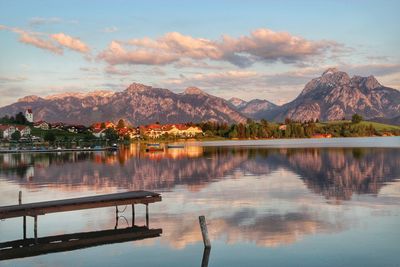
(116, 217)
(133, 215)
(24, 227)
(35, 228)
(147, 215)
(204, 232)
(24, 217)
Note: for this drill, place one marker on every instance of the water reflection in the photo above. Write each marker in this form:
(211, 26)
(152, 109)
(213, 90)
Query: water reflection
(266, 197)
(336, 173)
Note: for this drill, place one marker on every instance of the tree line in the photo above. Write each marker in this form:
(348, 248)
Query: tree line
(291, 129)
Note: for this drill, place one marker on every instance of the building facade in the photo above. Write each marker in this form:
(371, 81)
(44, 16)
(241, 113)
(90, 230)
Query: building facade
(29, 115)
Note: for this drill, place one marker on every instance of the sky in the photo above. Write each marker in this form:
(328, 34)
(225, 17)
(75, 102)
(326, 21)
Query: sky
(246, 49)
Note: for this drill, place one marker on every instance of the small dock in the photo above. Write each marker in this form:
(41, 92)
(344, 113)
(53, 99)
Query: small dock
(41, 208)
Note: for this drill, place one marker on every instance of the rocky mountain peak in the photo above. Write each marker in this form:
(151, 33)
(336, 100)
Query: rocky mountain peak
(330, 78)
(29, 98)
(137, 87)
(237, 102)
(194, 91)
(330, 71)
(368, 83)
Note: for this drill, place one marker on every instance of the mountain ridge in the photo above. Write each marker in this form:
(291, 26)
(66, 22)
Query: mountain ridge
(138, 104)
(332, 96)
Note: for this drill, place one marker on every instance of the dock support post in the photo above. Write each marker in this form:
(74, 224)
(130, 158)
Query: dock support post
(24, 226)
(147, 215)
(133, 215)
(204, 232)
(116, 217)
(24, 217)
(35, 229)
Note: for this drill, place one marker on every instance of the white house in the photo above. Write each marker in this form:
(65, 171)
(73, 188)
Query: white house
(7, 130)
(99, 133)
(24, 130)
(41, 125)
(29, 115)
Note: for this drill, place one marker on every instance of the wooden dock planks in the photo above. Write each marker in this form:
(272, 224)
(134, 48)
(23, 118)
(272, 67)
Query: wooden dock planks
(41, 208)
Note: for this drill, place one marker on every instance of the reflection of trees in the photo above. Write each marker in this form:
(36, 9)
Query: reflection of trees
(338, 173)
(334, 172)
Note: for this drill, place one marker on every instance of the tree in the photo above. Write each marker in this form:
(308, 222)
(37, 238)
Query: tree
(49, 137)
(20, 118)
(356, 118)
(120, 124)
(111, 134)
(16, 135)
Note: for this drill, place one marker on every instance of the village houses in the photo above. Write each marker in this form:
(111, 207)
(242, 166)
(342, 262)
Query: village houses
(8, 130)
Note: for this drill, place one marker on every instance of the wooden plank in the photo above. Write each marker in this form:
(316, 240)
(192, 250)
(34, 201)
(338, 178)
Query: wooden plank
(40, 208)
(29, 247)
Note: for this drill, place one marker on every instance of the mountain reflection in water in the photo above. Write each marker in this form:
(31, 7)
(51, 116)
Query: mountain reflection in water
(280, 204)
(335, 173)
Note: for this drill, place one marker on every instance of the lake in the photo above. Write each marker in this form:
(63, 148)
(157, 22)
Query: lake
(310, 202)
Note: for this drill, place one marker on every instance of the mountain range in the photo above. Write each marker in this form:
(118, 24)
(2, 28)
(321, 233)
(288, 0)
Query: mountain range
(331, 96)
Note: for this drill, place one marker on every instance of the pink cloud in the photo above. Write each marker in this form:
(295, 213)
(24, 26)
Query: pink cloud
(34, 40)
(117, 54)
(70, 42)
(262, 45)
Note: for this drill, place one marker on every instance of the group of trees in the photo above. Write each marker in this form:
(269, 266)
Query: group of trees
(291, 129)
(262, 129)
(19, 118)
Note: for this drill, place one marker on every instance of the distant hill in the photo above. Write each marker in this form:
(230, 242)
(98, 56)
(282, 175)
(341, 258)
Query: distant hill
(393, 121)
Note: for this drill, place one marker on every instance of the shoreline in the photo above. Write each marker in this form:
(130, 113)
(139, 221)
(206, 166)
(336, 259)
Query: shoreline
(336, 142)
(55, 150)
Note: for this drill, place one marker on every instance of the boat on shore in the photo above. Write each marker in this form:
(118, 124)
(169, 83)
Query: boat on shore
(154, 149)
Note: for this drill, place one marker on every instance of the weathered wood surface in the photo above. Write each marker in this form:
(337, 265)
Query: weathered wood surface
(204, 232)
(40, 208)
(31, 247)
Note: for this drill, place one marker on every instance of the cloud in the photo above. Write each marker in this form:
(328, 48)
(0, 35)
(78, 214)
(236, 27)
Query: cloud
(110, 29)
(70, 42)
(12, 79)
(39, 21)
(36, 21)
(116, 54)
(114, 71)
(53, 42)
(214, 79)
(32, 39)
(261, 45)
(372, 69)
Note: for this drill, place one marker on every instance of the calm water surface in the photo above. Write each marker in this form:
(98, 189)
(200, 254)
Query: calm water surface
(284, 203)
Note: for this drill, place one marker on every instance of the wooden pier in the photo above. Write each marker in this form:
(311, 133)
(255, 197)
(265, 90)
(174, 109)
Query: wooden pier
(99, 201)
